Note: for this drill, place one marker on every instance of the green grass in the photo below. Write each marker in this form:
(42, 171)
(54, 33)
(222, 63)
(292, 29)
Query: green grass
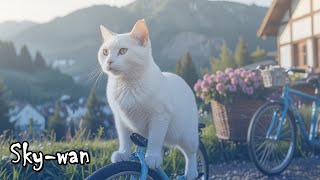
(100, 152)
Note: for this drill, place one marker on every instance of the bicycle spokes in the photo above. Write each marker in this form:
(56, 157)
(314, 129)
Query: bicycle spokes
(272, 138)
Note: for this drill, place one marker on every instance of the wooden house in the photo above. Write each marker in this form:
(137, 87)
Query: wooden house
(296, 25)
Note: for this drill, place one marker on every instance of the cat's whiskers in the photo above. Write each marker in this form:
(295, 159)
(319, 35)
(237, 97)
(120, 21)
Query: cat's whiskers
(99, 78)
(94, 72)
(95, 75)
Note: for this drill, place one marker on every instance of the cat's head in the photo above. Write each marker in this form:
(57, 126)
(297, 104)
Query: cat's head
(125, 54)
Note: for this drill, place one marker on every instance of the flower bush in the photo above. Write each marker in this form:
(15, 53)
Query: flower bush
(226, 86)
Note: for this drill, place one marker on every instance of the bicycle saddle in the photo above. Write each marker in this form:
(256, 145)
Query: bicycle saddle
(201, 126)
(314, 81)
(138, 140)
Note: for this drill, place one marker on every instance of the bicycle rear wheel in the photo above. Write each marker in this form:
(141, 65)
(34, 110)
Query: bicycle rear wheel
(122, 171)
(270, 155)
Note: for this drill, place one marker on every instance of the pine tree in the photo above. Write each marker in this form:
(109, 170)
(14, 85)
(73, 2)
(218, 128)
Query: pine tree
(93, 118)
(39, 61)
(31, 128)
(259, 54)
(4, 109)
(8, 55)
(187, 70)
(242, 57)
(226, 60)
(25, 59)
(72, 128)
(178, 67)
(57, 124)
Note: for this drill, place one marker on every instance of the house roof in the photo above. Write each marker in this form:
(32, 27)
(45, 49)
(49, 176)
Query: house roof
(272, 20)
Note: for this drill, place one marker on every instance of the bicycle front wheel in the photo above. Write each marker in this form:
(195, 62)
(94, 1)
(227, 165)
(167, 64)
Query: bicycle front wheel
(202, 162)
(271, 139)
(122, 171)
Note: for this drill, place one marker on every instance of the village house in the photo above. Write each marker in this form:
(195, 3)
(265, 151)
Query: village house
(296, 25)
(22, 115)
(70, 110)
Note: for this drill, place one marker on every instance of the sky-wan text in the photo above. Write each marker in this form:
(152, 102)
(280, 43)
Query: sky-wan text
(36, 159)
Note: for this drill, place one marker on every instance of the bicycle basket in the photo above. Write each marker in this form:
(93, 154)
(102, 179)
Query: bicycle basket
(274, 77)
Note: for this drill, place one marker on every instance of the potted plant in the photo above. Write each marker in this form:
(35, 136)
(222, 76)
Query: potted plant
(234, 94)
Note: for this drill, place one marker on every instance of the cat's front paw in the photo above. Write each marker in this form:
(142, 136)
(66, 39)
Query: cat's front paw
(153, 160)
(119, 156)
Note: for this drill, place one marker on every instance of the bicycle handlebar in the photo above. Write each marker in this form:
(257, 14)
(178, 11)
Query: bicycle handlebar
(296, 70)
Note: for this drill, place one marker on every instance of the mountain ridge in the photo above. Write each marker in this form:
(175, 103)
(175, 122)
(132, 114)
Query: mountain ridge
(175, 27)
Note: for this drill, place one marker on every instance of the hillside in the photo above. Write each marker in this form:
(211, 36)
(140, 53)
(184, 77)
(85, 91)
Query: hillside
(30, 79)
(11, 28)
(175, 26)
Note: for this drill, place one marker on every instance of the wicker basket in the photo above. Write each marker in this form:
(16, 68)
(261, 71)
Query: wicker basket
(274, 77)
(232, 120)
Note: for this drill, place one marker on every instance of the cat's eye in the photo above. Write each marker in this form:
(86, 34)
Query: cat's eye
(105, 52)
(122, 51)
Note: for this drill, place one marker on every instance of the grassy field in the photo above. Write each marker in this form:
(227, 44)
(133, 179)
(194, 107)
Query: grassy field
(100, 152)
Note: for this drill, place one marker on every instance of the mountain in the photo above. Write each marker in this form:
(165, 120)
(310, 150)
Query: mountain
(30, 79)
(175, 26)
(11, 28)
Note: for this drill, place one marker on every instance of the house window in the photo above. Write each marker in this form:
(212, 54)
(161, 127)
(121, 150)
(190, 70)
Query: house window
(317, 51)
(300, 55)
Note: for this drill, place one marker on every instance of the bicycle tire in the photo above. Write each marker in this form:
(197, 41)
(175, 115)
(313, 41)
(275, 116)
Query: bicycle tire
(251, 148)
(203, 151)
(121, 168)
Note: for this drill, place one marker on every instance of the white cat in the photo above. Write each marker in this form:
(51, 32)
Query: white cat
(159, 106)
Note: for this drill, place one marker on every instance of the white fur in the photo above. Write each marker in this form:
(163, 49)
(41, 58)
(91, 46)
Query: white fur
(159, 106)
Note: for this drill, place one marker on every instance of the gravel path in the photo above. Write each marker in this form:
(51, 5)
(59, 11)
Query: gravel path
(299, 169)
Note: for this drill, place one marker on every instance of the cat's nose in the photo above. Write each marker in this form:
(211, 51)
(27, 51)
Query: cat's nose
(109, 62)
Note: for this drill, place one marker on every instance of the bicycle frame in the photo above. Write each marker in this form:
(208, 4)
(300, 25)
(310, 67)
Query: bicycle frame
(289, 105)
(139, 155)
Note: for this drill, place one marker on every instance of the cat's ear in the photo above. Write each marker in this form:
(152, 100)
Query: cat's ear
(106, 34)
(140, 32)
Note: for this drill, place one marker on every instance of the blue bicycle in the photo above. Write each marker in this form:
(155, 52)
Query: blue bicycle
(272, 131)
(137, 167)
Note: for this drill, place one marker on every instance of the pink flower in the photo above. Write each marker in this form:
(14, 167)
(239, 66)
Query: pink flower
(219, 73)
(197, 85)
(234, 81)
(232, 75)
(244, 74)
(220, 87)
(237, 71)
(228, 70)
(204, 85)
(247, 80)
(206, 89)
(206, 77)
(203, 95)
(250, 90)
(233, 88)
(220, 78)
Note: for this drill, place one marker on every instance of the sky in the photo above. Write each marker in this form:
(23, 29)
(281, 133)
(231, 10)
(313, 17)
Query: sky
(45, 10)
